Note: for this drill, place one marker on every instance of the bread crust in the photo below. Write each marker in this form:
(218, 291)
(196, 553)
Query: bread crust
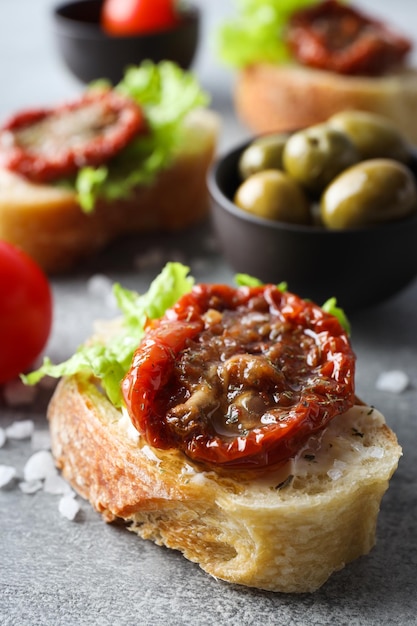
(285, 530)
(49, 225)
(287, 97)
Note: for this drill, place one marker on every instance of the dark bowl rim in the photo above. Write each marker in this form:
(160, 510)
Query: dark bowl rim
(68, 25)
(230, 207)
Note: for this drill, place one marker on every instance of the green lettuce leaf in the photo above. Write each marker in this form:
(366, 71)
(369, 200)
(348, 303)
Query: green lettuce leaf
(246, 280)
(330, 306)
(166, 94)
(255, 35)
(109, 358)
(109, 362)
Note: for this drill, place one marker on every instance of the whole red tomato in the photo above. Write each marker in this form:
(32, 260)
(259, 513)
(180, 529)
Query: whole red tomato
(132, 17)
(25, 311)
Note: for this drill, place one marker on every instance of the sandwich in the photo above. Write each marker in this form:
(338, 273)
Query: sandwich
(222, 421)
(129, 158)
(300, 62)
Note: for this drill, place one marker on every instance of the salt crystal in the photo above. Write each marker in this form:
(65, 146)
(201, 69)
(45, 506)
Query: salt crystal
(57, 485)
(68, 507)
(3, 437)
(20, 430)
(337, 470)
(7, 476)
(99, 285)
(41, 440)
(335, 474)
(39, 466)
(30, 486)
(376, 452)
(17, 393)
(394, 381)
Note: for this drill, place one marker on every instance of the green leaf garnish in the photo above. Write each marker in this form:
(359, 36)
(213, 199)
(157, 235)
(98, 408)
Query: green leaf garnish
(256, 34)
(246, 280)
(110, 360)
(166, 94)
(330, 306)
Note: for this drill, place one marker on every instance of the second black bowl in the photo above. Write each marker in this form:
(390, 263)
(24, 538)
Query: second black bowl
(90, 54)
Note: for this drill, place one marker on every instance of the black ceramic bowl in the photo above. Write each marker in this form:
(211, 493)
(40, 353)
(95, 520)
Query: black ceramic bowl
(90, 54)
(360, 267)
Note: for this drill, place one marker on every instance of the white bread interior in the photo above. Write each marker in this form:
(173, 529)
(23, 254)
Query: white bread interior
(49, 225)
(287, 97)
(284, 530)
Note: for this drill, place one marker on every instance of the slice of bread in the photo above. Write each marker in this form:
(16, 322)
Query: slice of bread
(285, 529)
(288, 97)
(47, 222)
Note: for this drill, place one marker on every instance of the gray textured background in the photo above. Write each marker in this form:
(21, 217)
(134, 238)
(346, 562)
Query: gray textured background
(57, 572)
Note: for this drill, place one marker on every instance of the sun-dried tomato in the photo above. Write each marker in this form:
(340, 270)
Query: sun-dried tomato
(241, 377)
(339, 38)
(47, 144)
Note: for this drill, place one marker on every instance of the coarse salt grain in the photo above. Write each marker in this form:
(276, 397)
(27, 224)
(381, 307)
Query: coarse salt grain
(394, 381)
(7, 475)
(30, 486)
(375, 452)
(335, 474)
(20, 430)
(39, 466)
(337, 470)
(41, 440)
(99, 285)
(56, 485)
(68, 507)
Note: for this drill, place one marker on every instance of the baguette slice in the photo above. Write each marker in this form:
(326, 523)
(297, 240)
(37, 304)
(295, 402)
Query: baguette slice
(287, 97)
(49, 225)
(283, 530)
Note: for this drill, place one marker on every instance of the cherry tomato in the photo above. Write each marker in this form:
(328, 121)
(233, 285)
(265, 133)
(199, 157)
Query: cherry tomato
(25, 311)
(239, 378)
(132, 17)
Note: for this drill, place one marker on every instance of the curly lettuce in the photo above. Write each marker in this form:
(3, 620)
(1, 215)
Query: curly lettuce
(255, 35)
(108, 359)
(166, 94)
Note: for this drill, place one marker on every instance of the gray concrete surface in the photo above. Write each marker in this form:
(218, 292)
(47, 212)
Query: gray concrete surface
(55, 572)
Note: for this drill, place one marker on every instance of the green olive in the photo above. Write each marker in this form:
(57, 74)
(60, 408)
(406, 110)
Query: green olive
(373, 191)
(263, 153)
(373, 135)
(316, 155)
(273, 195)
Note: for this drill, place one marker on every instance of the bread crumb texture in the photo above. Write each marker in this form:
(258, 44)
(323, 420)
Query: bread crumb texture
(286, 529)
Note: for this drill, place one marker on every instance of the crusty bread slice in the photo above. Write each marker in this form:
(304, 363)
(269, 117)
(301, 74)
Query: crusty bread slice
(49, 225)
(283, 530)
(287, 97)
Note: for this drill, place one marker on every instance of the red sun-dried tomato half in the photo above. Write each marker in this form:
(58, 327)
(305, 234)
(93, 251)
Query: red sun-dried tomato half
(241, 377)
(46, 144)
(339, 38)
